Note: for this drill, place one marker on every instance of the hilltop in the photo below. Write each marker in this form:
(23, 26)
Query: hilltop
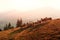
(46, 30)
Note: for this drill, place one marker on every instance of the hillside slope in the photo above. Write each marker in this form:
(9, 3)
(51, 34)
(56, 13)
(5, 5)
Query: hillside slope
(47, 31)
(50, 31)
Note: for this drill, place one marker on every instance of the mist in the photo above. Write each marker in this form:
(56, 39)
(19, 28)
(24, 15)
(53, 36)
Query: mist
(27, 16)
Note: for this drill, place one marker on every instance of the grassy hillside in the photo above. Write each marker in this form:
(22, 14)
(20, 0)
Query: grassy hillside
(47, 30)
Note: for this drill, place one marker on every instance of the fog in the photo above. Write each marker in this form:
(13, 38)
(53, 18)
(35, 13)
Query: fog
(28, 10)
(27, 16)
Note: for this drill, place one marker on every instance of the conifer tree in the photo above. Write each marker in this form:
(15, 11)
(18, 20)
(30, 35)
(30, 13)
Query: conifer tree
(9, 25)
(19, 23)
(0, 29)
(6, 27)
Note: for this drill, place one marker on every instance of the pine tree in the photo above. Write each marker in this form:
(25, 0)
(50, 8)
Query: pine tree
(0, 29)
(19, 23)
(6, 27)
(9, 25)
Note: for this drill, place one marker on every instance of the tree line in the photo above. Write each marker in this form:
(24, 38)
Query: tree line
(20, 24)
(9, 25)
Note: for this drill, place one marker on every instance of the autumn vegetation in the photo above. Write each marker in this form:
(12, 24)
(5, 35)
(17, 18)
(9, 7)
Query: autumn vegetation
(44, 29)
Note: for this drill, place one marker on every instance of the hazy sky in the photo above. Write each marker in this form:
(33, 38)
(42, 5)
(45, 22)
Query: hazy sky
(27, 8)
(25, 5)
(11, 10)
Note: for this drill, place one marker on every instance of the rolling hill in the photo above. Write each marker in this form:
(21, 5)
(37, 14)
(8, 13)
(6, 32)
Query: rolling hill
(50, 30)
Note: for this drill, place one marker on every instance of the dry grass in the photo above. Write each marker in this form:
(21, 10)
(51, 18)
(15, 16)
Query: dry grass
(49, 31)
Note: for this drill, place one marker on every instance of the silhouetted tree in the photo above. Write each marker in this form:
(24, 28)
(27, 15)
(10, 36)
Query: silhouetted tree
(6, 27)
(0, 29)
(9, 25)
(19, 23)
